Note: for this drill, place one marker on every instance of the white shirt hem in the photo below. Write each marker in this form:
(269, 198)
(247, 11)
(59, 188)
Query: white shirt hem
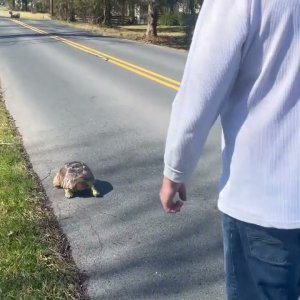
(246, 217)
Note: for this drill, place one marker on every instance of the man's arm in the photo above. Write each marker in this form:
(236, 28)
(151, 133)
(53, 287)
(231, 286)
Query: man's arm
(212, 66)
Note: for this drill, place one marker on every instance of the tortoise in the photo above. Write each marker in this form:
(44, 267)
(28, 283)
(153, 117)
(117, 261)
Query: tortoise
(75, 176)
(16, 15)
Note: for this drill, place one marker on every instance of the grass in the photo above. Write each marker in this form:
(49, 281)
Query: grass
(35, 260)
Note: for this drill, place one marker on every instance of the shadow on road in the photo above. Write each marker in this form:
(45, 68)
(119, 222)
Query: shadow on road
(78, 34)
(103, 186)
(35, 37)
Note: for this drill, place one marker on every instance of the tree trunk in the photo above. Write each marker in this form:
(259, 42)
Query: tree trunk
(152, 19)
(72, 14)
(24, 5)
(171, 6)
(51, 8)
(122, 11)
(132, 12)
(71, 11)
(192, 6)
(190, 21)
(107, 13)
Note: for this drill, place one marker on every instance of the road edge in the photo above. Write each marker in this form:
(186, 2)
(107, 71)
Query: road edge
(80, 278)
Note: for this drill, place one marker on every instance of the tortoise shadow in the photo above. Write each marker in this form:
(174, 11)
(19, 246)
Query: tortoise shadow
(104, 187)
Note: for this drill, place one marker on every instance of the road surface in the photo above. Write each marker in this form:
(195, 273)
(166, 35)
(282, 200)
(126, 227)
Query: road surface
(77, 96)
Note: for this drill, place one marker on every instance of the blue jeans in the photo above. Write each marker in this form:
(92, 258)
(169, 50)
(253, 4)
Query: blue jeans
(261, 263)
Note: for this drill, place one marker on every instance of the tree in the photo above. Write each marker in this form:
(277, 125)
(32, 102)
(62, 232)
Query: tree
(107, 12)
(25, 5)
(11, 4)
(152, 19)
(131, 5)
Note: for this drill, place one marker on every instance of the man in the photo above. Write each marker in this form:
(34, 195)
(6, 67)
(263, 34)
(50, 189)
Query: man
(244, 66)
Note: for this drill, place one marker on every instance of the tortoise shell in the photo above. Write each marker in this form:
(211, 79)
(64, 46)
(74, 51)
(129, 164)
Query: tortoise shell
(76, 176)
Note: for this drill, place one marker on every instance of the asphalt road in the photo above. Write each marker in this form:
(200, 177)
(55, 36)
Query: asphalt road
(71, 105)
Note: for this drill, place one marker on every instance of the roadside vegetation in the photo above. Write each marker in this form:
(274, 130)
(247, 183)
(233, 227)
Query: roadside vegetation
(35, 258)
(4, 12)
(170, 36)
(162, 22)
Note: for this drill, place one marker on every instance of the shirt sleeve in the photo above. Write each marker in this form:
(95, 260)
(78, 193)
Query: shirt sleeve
(212, 66)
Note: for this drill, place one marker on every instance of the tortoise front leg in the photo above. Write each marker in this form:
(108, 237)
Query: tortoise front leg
(94, 191)
(69, 193)
(56, 181)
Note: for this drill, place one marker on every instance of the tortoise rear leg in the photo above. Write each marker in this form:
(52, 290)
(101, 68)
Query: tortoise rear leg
(94, 191)
(69, 193)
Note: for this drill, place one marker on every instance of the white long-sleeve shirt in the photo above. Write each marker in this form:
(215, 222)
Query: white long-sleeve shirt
(244, 66)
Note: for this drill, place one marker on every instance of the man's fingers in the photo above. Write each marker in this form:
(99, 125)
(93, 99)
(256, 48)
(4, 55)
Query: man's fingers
(182, 192)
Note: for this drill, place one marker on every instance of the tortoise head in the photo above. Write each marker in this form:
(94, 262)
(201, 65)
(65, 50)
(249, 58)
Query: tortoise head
(81, 186)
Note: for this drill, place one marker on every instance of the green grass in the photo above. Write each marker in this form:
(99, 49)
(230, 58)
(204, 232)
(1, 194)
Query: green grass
(35, 259)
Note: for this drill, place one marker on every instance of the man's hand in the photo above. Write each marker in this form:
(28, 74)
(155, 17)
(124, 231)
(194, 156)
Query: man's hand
(168, 192)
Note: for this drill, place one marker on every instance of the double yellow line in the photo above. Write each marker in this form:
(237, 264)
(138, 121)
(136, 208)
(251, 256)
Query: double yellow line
(163, 80)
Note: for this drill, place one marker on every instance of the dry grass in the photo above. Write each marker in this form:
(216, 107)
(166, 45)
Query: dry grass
(171, 36)
(25, 14)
